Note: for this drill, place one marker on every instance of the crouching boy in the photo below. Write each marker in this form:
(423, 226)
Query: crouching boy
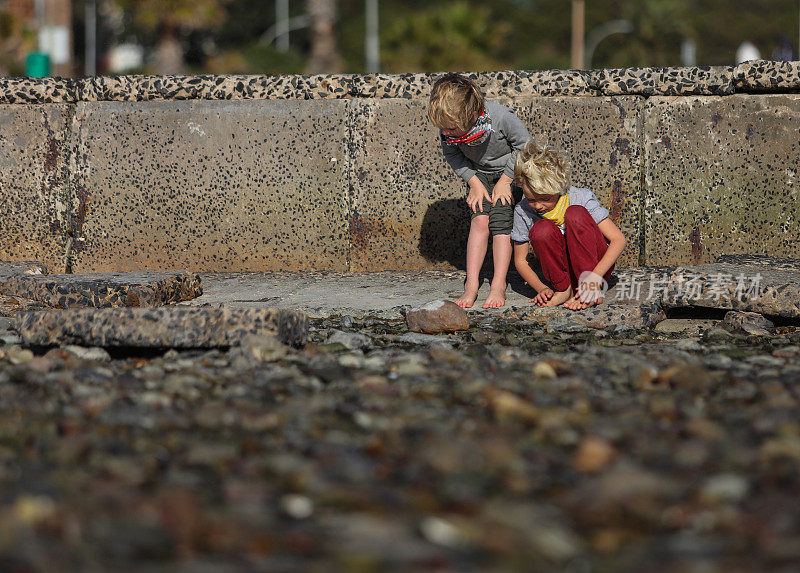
(569, 231)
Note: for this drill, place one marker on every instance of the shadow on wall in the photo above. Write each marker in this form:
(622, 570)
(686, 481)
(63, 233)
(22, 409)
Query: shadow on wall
(444, 232)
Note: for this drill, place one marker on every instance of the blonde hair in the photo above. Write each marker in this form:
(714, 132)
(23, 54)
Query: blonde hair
(544, 171)
(456, 101)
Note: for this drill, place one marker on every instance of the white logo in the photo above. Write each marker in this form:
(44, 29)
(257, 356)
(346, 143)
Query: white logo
(591, 287)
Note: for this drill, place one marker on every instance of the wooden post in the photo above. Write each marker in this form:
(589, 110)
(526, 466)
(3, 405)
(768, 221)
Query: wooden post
(577, 34)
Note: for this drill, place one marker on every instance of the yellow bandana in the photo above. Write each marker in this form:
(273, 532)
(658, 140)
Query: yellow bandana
(556, 214)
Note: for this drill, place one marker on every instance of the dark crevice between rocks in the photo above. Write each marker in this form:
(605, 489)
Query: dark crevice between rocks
(710, 313)
(136, 352)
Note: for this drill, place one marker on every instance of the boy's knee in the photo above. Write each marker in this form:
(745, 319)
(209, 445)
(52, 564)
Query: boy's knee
(543, 230)
(577, 214)
(480, 223)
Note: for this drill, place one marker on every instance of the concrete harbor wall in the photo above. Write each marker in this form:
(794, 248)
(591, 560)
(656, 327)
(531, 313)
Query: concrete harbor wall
(344, 172)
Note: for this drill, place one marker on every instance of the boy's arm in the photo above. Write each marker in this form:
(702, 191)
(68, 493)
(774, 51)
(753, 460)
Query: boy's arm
(517, 136)
(458, 161)
(524, 269)
(615, 246)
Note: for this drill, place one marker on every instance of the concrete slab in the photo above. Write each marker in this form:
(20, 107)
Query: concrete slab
(385, 294)
(160, 327)
(734, 287)
(147, 289)
(721, 177)
(407, 207)
(200, 185)
(34, 202)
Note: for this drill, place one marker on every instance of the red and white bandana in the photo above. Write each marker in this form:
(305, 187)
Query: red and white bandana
(475, 136)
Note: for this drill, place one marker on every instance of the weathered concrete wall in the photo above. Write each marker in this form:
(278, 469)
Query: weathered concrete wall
(341, 172)
(201, 185)
(721, 177)
(34, 154)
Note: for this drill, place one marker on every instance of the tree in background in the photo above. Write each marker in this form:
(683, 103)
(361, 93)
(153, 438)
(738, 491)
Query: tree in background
(659, 28)
(324, 53)
(170, 21)
(16, 40)
(227, 36)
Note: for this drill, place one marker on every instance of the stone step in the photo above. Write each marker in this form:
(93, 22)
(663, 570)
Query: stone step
(165, 327)
(99, 290)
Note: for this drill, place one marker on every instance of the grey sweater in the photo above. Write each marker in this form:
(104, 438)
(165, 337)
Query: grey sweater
(497, 153)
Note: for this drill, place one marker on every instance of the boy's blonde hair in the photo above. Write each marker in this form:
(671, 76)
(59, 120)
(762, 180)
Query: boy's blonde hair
(544, 171)
(456, 101)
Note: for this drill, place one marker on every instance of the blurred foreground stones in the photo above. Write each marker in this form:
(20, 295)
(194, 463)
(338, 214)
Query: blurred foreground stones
(625, 438)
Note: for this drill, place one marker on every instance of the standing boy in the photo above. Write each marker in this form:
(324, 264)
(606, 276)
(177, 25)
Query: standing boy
(577, 244)
(480, 140)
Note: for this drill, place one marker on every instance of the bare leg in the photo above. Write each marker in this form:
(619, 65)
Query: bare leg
(560, 297)
(476, 252)
(501, 253)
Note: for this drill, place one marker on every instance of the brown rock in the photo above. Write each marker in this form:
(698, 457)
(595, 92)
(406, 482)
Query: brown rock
(593, 455)
(750, 322)
(437, 316)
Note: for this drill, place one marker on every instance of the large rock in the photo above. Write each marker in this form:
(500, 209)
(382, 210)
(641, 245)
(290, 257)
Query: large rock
(102, 290)
(769, 290)
(603, 316)
(750, 322)
(437, 316)
(173, 327)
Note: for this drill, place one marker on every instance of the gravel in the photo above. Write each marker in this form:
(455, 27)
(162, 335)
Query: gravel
(372, 448)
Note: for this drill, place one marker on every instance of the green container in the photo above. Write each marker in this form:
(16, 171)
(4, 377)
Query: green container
(37, 65)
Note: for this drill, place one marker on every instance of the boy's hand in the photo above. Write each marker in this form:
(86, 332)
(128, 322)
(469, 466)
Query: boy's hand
(543, 296)
(502, 193)
(477, 193)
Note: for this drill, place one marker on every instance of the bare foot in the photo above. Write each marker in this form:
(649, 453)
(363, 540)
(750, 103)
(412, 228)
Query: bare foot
(560, 297)
(496, 298)
(575, 303)
(467, 299)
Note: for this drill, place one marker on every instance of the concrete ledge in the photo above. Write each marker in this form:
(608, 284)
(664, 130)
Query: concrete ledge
(39, 90)
(160, 327)
(705, 80)
(102, 290)
(761, 76)
(664, 81)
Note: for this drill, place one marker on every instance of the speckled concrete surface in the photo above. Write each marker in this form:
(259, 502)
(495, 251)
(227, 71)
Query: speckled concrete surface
(704, 80)
(755, 76)
(721, 177)
(211, 186)
(759, 76)
(158, 182)
(768, 290)
(141, 289)
(407, 208)
(34, 154)
(160, 327)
